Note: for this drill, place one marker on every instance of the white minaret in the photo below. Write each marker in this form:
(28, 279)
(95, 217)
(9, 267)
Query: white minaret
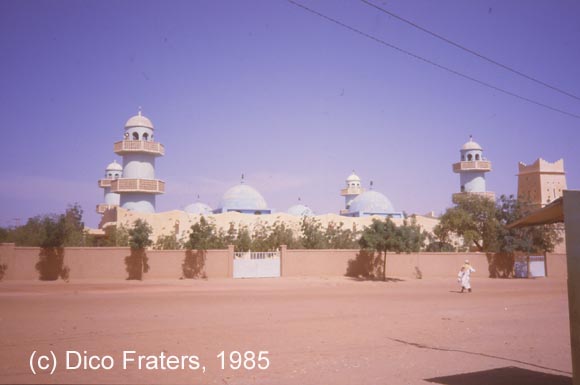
(112, 172)
(351, 191)
(138, 187)
(471, 170)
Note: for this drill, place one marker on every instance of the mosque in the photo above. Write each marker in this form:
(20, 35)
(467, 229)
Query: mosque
(130, 189)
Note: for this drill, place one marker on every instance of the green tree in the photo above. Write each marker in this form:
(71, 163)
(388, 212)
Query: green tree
(379, 237)
(168, 242)
(312, 235)
(137, 262)
(243, 241)
(203, 235)
(279, 235)
(337, 237)
(474, 219)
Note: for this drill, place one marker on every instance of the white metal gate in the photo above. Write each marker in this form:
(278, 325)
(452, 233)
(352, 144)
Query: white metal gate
(253, 264)
(530, 266)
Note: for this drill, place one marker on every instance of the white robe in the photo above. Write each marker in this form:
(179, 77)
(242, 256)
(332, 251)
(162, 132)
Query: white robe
(464, 277)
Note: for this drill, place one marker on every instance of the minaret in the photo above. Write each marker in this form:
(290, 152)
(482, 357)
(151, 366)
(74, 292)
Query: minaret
(471, 170)
(138, 187)
(112, 172)
(351, 191)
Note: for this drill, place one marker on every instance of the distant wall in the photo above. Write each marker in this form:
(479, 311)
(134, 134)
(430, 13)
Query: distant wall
(109, 263)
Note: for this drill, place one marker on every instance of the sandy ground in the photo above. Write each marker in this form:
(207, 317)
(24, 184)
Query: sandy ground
(315, 330)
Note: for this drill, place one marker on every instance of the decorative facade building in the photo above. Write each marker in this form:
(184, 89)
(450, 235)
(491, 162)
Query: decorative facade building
(471, 170)
(540, 182)
(136, 186)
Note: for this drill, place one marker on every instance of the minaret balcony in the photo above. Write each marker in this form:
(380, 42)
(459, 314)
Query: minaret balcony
(351, 191)
(103, 207)
(473, 165)
(138, 146)
(148, 186)
(103, 183)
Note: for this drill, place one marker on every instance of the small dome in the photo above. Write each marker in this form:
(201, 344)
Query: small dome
(300, 211)
(371, 202)
(353, 178)
(197, 208)
(139, 121)
(114, 166)
(471, 145)
(243, 197)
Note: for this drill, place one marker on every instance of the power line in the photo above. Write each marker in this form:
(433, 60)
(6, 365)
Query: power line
(450, 70)
(479, 55)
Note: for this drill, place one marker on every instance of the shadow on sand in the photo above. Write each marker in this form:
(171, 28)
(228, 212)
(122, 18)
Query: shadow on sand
(373, 279)
(509, 375)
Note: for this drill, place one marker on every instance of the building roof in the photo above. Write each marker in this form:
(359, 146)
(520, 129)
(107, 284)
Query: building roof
(552, 213)
(353, 178)
(114, 166)
(197, 208)
(300, 210)
(371, 202)
(243, 197)
(139, 121)
(471, 145)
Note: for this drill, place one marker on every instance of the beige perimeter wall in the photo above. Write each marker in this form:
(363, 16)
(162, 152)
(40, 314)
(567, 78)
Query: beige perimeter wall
(109, 263)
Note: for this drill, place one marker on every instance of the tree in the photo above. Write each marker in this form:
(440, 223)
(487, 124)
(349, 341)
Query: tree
(137, 262)
(243, 240)
(474, 219)
(338, 237)
(312, 235)
(380, 237)
(482, 223)
(168, 242)
(204, 236)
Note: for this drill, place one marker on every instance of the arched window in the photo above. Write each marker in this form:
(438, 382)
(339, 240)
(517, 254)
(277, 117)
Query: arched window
(135, 136)
(462, 188)
(145, 136)
(469, 157)
(476, 156)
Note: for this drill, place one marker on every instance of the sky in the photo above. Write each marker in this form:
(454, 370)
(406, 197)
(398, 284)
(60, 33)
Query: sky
(290, 99)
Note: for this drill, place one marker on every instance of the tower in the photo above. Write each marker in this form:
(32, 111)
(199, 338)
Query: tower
(471, 170)
(351, 191)
(540, 182)
(112, 172)
(138, 187)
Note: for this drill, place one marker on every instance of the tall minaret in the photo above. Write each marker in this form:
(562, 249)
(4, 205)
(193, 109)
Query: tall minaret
(112, 172)
(351, 191)
(472, 169)
(137, 187)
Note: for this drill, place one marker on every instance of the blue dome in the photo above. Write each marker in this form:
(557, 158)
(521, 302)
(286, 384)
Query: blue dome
(300, 211)
(198, 208)
(243, 197)
(371, 202)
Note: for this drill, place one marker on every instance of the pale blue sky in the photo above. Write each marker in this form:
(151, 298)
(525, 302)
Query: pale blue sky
(293, 101)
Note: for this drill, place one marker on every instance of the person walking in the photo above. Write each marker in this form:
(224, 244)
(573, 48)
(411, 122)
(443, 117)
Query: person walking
(464, 276)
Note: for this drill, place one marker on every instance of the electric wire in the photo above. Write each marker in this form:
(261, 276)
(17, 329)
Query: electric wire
(450, 70)
(475, 53)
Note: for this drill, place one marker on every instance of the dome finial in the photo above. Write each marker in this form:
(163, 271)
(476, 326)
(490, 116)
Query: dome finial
(139, 113)
(371, 184)
(470, 138)
(242, 181)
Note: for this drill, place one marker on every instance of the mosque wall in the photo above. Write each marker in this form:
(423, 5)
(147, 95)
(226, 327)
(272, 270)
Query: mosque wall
(108, 263)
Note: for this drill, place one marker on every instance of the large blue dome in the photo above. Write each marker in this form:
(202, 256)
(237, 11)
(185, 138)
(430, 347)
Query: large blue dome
(371, 202)
(243, 197)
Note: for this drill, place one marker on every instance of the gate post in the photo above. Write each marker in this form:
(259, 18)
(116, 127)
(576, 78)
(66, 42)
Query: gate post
(283, 249)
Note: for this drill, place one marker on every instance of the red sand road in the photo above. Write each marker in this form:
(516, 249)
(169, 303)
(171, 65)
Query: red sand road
(316, 330)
